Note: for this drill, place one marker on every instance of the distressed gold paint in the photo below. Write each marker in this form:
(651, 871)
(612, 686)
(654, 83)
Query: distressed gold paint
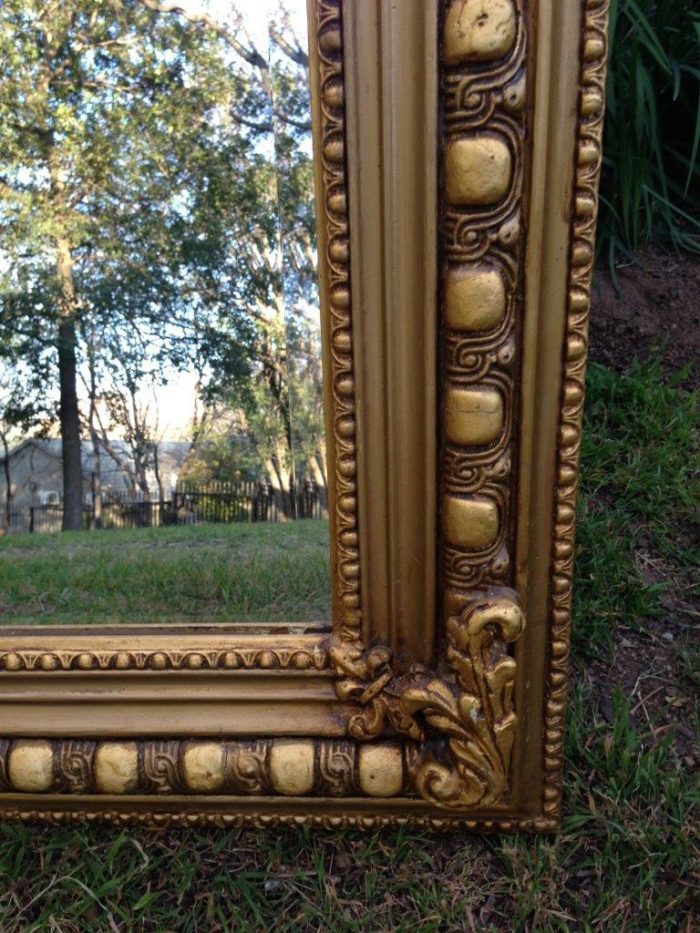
(292, 766)
(475, 298)
(470, 522)
(31, 766)
(478, 170)
(380, 769)
(203, 766)
(478, 30)
(472, 416)
(37, 764)
(116, 767)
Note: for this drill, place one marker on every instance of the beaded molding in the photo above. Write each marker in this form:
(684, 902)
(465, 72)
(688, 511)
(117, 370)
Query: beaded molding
(588, 160)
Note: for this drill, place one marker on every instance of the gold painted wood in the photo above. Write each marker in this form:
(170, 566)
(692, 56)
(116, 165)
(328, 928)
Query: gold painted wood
(591, 107)
(457, 148)
(170, 703)
(156, 648)
(473, 715)
(485, 77)
(392, 89)
(329, 131)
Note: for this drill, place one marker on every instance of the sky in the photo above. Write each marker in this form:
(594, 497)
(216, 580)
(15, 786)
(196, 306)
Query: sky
(256, 15)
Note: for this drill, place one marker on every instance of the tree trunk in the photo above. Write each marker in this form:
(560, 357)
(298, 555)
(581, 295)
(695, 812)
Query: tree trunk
(95, 441)
(69, 413)
(276, 371)
(280, 491)
(96, 494)
(317, 465)
(159, 483)
(70, 426)
(287, 484)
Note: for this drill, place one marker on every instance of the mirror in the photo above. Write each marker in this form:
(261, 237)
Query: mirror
(162, 451)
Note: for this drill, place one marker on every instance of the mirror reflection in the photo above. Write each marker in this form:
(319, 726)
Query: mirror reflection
(162, 453)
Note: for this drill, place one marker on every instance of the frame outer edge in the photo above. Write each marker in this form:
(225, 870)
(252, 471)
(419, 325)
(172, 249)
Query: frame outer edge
(553, 127)
(591, 110)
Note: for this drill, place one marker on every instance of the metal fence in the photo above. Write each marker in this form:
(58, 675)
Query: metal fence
(189, 504)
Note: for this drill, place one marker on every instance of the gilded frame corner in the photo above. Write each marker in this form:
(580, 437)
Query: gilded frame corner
(416, 710)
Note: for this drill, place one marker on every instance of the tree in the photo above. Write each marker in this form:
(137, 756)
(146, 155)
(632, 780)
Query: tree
(157, 212)
(122, 188)
(281, 404)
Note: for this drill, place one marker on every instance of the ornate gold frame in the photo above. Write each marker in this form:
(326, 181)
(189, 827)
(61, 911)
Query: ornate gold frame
(458, 152)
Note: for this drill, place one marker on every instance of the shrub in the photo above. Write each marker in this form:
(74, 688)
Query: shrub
(650, 187)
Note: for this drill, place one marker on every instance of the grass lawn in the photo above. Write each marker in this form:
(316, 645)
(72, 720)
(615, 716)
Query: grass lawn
(205, 573)
(627, 856)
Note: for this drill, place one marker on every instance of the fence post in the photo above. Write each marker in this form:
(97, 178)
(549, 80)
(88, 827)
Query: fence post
(309, 495)
(262, 501)
(31, 519)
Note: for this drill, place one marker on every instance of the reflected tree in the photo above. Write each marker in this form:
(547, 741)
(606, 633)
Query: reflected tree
(144, 210)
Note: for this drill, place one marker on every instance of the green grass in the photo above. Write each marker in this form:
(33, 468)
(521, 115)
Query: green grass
(205, 573)
(627, 854)
(639, 500)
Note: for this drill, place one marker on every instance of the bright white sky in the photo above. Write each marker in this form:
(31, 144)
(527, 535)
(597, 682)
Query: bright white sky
(256, 15)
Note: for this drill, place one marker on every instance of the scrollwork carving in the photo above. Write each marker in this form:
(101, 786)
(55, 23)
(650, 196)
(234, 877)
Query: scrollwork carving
(443, 738)
(5, 783)
(75, 765)
(484, 94)
(242, 767)
(161, 767)
(337, 766)
(247, 767)
(473, 713)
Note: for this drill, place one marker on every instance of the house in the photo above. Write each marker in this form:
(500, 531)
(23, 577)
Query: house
(36, 478)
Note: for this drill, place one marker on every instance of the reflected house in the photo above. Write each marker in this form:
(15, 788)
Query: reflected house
(36, 480)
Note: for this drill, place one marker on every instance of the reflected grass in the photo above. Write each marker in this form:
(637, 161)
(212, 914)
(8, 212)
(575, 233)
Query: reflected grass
(195, 573)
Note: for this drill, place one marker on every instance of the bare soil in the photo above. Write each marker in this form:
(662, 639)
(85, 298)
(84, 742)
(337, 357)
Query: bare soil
(650, 306)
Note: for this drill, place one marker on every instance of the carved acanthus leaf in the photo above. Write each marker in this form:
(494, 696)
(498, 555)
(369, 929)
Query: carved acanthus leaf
(473, 713)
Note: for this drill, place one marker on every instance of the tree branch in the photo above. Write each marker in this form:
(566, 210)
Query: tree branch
(294, 52)
(250, 55)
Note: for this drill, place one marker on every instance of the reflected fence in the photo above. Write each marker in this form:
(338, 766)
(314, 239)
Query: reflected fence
(188, 504)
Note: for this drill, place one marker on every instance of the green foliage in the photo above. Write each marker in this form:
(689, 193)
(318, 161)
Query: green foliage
(632, 803)
(110, 140)
(156, 191)
(650, 186)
